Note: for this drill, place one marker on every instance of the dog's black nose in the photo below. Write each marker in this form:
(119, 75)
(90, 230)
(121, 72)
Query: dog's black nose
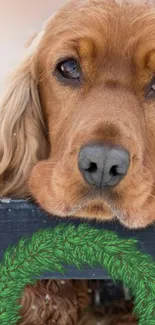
(103, 165)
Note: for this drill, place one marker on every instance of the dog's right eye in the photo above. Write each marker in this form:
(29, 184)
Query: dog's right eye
(69, 69)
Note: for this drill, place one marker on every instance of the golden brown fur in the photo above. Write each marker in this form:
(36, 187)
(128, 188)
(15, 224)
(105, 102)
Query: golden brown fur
(44, 120)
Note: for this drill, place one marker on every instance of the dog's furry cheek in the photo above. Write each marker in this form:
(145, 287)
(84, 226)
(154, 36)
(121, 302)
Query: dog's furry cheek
(45, 192)
(39, 182)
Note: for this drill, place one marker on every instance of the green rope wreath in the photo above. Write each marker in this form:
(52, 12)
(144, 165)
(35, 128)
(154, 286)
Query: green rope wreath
(70, 245)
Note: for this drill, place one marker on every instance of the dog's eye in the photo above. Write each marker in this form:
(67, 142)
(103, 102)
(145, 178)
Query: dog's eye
(69, 69)
(150, 90)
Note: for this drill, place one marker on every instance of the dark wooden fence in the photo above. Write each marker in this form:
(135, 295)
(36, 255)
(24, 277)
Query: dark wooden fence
(20, 218)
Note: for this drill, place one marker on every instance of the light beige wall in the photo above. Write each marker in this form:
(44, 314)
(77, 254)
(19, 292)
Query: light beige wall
(19, 19)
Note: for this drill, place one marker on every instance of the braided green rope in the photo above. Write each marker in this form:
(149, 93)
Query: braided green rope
(67, 245)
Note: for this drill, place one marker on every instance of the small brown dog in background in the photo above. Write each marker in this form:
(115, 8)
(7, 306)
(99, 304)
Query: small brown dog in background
(54, 302)
(68, 302)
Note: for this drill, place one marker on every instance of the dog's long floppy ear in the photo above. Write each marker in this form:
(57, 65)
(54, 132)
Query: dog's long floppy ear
(22, 128)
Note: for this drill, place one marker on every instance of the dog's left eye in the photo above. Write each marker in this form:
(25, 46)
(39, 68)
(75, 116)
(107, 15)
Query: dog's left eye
(69, 69)
(150, 90)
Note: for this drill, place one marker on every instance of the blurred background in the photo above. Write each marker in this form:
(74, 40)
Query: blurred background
(19, 19)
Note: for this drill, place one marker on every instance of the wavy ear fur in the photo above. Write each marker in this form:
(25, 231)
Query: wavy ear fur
(22, 131)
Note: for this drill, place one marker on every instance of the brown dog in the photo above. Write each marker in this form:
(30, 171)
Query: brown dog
(77, 123)
(78, 119)
(54, 302)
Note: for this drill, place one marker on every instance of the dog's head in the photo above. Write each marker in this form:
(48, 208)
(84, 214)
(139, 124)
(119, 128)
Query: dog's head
(78, 121)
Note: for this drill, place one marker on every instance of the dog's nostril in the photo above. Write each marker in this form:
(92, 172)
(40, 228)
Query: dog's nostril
(92, 168)
(114, 171)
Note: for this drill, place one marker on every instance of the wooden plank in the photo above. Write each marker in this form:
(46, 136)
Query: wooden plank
(20, 218)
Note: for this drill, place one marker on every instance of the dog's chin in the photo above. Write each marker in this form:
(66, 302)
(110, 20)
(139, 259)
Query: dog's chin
(103, 212)
(99, 211)
(95, 212)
